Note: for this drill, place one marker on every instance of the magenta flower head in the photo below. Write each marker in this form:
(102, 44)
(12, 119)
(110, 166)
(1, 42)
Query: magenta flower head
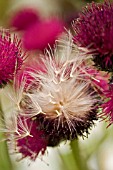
(24, 18)
(34, 142)
(94, 31)
(39, 35)
(24, 136)
(11, 57)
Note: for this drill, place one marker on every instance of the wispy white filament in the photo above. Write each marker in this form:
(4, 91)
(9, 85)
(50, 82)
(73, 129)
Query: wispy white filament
(62, 89)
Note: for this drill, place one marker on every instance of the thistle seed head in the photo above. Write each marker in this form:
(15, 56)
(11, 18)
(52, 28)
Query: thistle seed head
(64, 101)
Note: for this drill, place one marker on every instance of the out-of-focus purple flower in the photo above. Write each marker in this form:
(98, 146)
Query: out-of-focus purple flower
(11, 57)
(94, 31)
(24, 18)
(33, 143)
(39, 35)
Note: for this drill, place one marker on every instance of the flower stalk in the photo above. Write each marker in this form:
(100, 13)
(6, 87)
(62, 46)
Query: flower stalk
(79, 160)
(5, 161)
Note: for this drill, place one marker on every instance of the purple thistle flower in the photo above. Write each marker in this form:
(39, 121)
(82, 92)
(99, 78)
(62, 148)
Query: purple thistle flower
(94, 31)
(39, 35)
(11, 57)
(35, 142)
(24, 18)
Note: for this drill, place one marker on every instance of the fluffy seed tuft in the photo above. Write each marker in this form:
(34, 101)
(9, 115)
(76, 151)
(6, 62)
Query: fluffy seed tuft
(63, 101)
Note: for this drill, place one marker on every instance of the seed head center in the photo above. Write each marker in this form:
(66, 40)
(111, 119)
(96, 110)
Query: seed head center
(59, 108)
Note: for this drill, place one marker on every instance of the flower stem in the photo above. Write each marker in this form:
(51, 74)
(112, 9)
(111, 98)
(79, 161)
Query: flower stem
(79, 160)
(5, 162)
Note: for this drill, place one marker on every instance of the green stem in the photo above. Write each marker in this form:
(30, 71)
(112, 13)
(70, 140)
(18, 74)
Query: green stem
(79, 160)
(5, 162)
(64, 165)
(68, 162)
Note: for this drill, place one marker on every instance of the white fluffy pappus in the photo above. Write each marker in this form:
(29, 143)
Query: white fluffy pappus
(63, 92)
(13, 122)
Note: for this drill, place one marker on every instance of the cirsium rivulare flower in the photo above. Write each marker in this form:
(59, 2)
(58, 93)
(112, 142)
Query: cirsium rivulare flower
(11, 56)
(33, 143)
(94, 31)
(63, 101)
(60, 102)
(24, 18)
(46, 32)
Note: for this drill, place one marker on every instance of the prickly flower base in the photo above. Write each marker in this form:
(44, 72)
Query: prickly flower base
(60, 129)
